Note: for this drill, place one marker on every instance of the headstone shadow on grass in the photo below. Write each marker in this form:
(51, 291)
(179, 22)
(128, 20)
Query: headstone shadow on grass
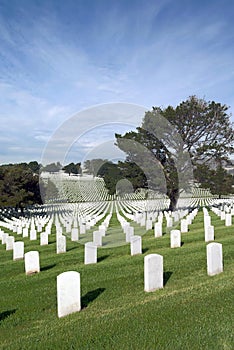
(5, 314)
(48, 267)
(166, 276)
(72, 248)
(101, 258)
(52, 242)
(91, 296)
(144, 250)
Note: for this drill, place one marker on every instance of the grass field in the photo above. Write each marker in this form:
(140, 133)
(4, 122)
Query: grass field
(193, 311)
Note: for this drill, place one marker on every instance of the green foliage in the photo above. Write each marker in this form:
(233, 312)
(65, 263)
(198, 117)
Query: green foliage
(19, 186)
(123, 177)
(204, 127)
(52, 167)
(134, 174)
(72, 168)
(217, 180)
(35, 166)
(200, 128)
(111, 175)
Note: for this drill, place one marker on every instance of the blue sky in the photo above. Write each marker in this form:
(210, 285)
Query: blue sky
(60, 57)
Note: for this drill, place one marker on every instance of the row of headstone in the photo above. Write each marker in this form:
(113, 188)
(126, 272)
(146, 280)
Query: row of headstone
(16, 247)
(68, 283)
(208, 228)
(225, 213)
(184, 224)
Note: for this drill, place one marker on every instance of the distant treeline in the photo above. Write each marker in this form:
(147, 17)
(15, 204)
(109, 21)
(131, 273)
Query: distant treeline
(154, 157)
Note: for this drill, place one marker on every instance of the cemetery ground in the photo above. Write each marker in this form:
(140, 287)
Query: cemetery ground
(192, 311)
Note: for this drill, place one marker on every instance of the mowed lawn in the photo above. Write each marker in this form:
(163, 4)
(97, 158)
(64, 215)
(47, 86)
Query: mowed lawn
(193, 311)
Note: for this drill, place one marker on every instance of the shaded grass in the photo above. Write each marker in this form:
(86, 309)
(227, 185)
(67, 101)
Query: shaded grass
(193, 311)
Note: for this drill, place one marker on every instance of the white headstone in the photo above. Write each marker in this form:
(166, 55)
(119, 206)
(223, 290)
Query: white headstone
(10, 242)
(4, 237)
(90, 253)
(32, 262)
(207, 220)
(59, 230)
(169, 221)
(82, 228)
(125, 226)
(18, 250)
(148, 225)
(74, 234)
(184, 226)
(223, 215)
(175, 238)
(228, 220)
(102, 230)
(189, 220)
(129, 233)
(39, 228)
(97, 238)
(136, 245)
(153, 272)
(48, 229)
(68, 228)
(33, 234)
(25, 232)
(44, 238)
(68, 293)
(209, 234)
(61, 244)
(19, 230)
(214, 256)
(158, 229)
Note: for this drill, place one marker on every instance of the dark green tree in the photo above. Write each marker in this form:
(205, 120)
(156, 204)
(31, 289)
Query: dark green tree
(217, 180)
(111, 174)
(19, 186)
(133, 173)
(72, 168)
(167, 136)
(122, 177)
(35, 166)
(52, 167)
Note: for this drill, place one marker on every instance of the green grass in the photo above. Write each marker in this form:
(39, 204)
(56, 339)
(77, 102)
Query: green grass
(193, 311)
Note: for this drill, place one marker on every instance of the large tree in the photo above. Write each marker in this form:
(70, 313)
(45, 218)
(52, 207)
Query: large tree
(19, 186)
(196, 128)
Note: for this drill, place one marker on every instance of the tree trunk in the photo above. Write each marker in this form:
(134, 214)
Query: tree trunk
(173, 196)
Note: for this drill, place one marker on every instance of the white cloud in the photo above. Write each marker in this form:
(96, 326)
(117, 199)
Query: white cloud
(155, 55)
